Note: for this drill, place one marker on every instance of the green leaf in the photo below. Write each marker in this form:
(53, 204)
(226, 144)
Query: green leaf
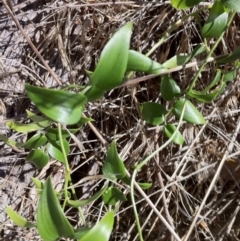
(102, 230)
(51, 221)
(80, 233)
(145, 185)
(38, 184)
(79, 203)
(191, 114)
(54, 149)
(10, 142)
(35, 141)
(208, 97)
(183, 4)
(181, 59)
(230, 75)
(232, 4)
(58, 105)
(169, 88)
(153, 113)
(94, 93)
(38, 157)
(215, 81)
(235, 55)
(17, 219)
(35, 118)
(169, 129)
(113, 195)
(217, 21)
(142, 63)
(113, 166)
(112, 65)
(52, 133)
(25, 128)
(84, 120)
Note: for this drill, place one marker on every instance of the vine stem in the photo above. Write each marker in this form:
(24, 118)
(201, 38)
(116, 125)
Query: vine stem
(68, 179)
(134, 183)
(209, 54)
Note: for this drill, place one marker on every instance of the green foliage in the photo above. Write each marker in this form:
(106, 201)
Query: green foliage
(183, 4)
(26, 128)
(169, 129)
(216, 22)
(102, 230)
(153, 113)
(169, 88)
(51, 221)
(191, 114)
(79, 203)
(18, 220)
(232, 4)
(113, 166)
(38, 157)
(58, 105)
(113, 195)
(63, 107)
(113, 60)
(35, 141)
(54, 149)
(141, 63)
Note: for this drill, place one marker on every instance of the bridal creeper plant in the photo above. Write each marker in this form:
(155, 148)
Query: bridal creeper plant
(63, 108)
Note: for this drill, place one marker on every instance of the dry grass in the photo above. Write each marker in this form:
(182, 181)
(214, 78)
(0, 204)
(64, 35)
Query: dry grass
(70, 35)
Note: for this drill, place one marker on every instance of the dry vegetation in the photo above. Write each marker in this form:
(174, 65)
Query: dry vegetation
(70, 35)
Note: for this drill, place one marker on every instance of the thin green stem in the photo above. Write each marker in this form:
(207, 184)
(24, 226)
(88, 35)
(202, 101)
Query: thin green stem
(68, 179)
(209, 55)
(144, 162)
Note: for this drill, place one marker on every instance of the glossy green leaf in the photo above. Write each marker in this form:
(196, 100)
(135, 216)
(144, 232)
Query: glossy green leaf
(94, 93)
(230, 75)
(18, 219)
(35, 141)
(179, 60)
(169, 129)
(102, 230)
(153, 113)
(54, 149)
(142, 63)
(235, 55)
(52, 133)
(113, 166)
(191, 114)
(58, 105)
(112, 65)
(51, 221)
(217, 21)
(183, 4)
(38, 157)
(80, 233)
(232, 4)
(113, 195)
(79, 203)
(169, 88)
(25, 128)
